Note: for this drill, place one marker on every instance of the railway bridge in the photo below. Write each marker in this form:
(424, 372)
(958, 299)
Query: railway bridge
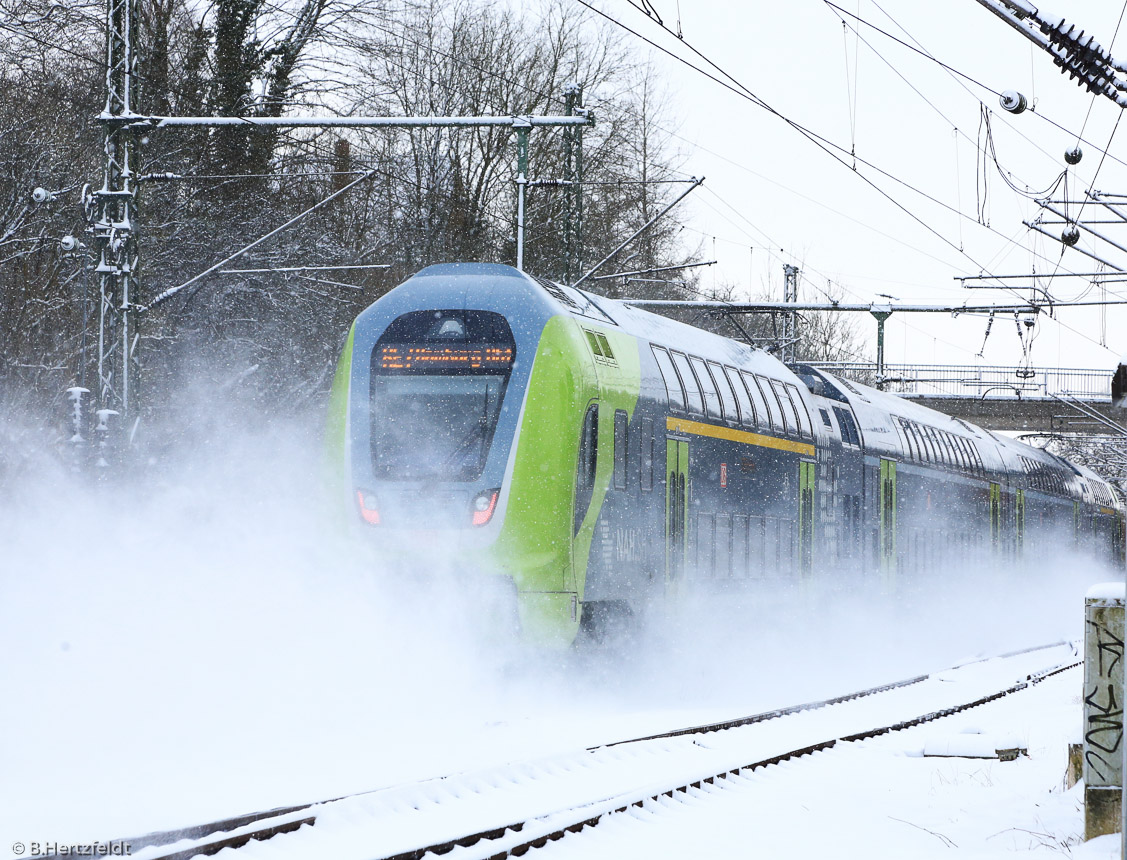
(1022, 399)
(1073, 409)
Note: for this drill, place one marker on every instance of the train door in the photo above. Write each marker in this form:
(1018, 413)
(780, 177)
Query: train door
(1019, 521)
(806, 480)
(995, 515)
(1075, 523)
(1121, 542)
(888, 517)
(676, 509)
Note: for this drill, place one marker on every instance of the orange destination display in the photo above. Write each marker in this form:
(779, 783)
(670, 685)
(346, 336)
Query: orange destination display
(429, 359)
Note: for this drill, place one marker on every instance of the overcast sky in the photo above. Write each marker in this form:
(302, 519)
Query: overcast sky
(772, 196)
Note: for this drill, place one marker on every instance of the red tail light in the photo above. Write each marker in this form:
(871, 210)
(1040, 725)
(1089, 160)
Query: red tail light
(369, 510)
(483, 506)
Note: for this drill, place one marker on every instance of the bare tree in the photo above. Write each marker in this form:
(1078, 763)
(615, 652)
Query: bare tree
(433, 195)
(451, 194)
(49, 88)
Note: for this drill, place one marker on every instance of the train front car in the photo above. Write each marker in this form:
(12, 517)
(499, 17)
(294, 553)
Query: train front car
(460, 410)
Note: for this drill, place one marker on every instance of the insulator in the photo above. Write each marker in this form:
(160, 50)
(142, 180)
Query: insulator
(1013, 101)
(1070, 236)
(1074, 155)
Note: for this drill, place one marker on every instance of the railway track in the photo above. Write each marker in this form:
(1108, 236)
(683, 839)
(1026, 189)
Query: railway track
(506, 811)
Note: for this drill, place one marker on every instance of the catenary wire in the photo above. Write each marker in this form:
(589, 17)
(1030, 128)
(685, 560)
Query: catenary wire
(824, 144)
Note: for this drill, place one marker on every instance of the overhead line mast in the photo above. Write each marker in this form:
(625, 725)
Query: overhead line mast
(111, 210)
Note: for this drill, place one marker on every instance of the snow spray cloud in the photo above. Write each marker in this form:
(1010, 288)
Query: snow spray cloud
(745, 645)
(205, 640)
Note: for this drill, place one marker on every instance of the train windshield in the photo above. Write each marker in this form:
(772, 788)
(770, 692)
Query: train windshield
(438, 382)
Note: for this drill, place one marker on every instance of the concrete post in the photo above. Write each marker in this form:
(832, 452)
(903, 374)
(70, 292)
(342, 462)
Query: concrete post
(1103, 709)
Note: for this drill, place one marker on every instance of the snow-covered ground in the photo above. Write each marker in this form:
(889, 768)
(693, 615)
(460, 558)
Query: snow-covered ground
(214, 645)
(882, 798)
(549, 794)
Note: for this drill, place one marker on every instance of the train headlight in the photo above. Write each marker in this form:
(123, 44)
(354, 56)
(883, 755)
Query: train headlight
(483, 506)
(369, 510)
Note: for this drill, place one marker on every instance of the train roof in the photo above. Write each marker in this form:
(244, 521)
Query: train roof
(880, 415)
(1000, 453)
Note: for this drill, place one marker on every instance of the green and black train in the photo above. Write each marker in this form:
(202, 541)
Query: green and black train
(596, 458)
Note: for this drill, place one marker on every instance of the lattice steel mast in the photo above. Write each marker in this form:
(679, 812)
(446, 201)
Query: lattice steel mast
(111, 212)
(790, 323)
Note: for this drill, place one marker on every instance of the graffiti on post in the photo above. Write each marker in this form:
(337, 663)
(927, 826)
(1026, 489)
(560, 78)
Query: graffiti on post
(1103, 697)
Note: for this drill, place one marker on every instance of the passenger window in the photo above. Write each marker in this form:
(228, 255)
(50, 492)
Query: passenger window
(790, 417)
(948, 448)
(964, 452)
(692, 391)
(925, 439)
(909, 439)
(936, 453)
(765, 415)
(727, 398)
(929, 443)
(917, 441)
(804, 426)
(708, 386)
(588, 461)
(593, 342)
(621, 442)
(978, 457)
(921, 450)
(848, 426)
(933, 435)
(672, 383)
(604, 346)
(937, 441)
(747, 412)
